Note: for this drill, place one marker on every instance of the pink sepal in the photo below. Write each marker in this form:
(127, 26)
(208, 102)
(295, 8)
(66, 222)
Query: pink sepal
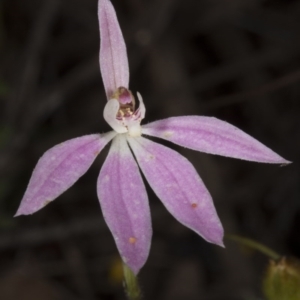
(179, 187)
(113, 54)
(211, 135)
(124, 204)
(59, 168)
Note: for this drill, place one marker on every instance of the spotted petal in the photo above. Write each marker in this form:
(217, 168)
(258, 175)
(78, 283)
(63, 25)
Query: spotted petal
(59, 168)
(210, 135)
(113, 55)
(124, 204)
(179, 187)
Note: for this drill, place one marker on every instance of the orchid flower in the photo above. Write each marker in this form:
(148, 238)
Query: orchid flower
(120, 188)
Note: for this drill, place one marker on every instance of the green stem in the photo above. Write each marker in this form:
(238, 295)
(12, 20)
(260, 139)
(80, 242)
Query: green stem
(254, 245)
(132, 288)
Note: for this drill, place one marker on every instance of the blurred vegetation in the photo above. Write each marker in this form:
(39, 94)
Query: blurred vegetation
(282, 280)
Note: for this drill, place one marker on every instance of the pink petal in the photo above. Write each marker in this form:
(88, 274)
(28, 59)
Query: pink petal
(113, 55)
(213, 136)
(59, 168)
(179, 187)
(124, 203)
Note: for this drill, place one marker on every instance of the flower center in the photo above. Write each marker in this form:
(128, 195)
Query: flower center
(121, 114)
(127, 102)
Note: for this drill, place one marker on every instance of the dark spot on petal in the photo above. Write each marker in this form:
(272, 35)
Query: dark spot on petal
(132, 240)
(194, 205)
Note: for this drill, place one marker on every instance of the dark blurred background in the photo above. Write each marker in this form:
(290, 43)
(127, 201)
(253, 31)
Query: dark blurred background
(238, 60)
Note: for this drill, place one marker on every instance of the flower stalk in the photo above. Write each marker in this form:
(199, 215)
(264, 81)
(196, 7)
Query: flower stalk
(254, 245)
(131, 284)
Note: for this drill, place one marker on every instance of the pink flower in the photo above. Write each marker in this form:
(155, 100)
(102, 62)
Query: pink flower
(120, 187)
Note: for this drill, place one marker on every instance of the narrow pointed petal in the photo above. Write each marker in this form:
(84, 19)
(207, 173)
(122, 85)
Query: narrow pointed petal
(142, 108)
(59, 168)
(124, 204)
(179, 187)
(113, 55)
(210, 135)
